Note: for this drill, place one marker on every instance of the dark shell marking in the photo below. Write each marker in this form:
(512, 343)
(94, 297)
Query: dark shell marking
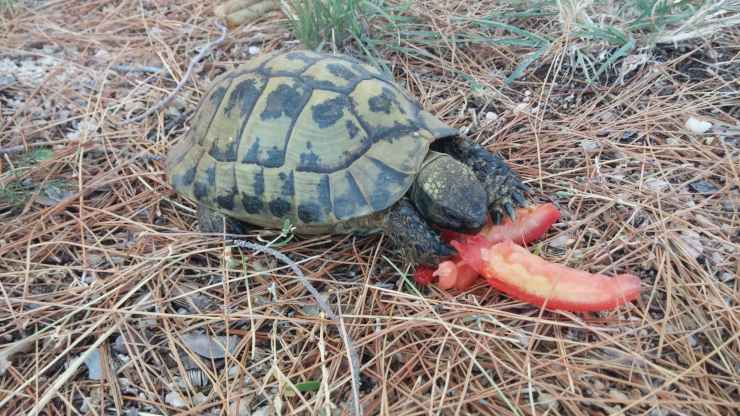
(312, 137)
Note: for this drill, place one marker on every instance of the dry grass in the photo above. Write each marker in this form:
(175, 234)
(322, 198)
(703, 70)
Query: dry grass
(99, 256)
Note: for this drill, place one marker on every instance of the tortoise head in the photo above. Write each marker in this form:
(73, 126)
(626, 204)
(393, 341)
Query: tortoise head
(448, 195)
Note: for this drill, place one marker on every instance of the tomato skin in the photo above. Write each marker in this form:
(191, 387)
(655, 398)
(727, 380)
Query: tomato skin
(530, 225)
(466, 276)
(520, 274)
(423, 275)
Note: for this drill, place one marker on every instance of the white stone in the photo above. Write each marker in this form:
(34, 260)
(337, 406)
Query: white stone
(698, 126)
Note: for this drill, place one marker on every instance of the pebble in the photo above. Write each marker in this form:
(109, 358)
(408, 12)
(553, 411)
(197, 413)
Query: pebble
(726, 277)
(657, 185)
(173, 399)
(521, 108)
(702, 187)
(618, 395)
(253, 50)
(698, 126)
(590, 145)
(692, 243)
(548, 401)
(561, 241)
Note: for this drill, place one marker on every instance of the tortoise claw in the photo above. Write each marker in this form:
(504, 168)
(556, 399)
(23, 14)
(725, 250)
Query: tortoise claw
(510, 210)
(519, 199)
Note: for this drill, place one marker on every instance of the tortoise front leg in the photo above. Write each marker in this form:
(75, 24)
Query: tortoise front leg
(416, 240)
(504, 187)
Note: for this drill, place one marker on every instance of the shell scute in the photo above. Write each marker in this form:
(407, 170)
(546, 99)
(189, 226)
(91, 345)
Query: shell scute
(334, 75)
(349, 200)
(289, 64)
(226, 128)
(326, 137)
(378, 181)
(266, 132)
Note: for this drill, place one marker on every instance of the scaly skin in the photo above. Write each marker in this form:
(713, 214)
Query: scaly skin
(413, 236)
(504, 187)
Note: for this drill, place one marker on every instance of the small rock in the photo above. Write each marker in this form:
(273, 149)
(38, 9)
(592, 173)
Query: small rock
(629, 135)
(102, 56)
(253, 50)
(242, 408)
(173, 398)
(92, 362)
(119, 345)
(656, 185)
(618, 395)
(561, 241)
(211, 346)
(311, 310)
(702, 187)
(698, 126)
(521, 108)
(726, 277)
(692, 243)
(199, 398)
(673, 141)
(548, 401)
(657, 412)
(693, 341)
(590, 145)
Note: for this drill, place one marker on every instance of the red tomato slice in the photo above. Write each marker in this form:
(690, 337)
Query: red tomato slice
(530, 225)
(520, 274)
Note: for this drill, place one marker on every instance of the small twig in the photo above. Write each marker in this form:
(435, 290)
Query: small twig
(351, 353)
(145, 69)
(206, 49)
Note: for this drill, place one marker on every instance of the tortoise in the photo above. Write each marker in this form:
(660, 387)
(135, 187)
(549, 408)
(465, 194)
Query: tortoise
(335, 146)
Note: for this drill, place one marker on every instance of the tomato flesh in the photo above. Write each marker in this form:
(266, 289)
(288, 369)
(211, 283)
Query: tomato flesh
(522, 275)
(530, 225)
(455, 274)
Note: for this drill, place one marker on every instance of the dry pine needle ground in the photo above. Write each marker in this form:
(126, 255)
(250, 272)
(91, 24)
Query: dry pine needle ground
(104, 279)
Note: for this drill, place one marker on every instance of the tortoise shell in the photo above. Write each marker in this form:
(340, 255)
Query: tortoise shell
(315, 138)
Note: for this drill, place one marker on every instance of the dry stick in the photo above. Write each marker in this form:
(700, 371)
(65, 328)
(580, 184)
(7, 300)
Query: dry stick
(206, 49)
(351, 353)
